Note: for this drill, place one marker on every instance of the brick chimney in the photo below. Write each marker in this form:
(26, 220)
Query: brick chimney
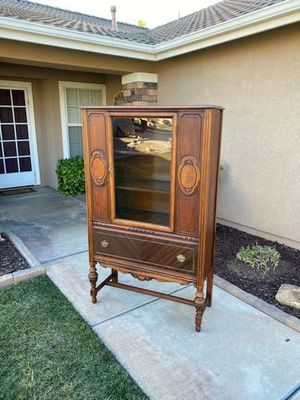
(114, 25)
(138, 88)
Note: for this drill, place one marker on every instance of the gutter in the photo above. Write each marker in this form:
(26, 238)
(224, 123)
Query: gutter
(271, 17)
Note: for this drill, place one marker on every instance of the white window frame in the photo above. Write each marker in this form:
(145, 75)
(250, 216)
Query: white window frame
(27, 87)
(62, 86)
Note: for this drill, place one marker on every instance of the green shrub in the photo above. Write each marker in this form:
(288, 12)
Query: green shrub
(259, 257)
(70, 175)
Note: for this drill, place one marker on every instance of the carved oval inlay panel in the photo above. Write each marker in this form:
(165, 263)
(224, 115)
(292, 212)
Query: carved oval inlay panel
(188, 174)
(99, 167)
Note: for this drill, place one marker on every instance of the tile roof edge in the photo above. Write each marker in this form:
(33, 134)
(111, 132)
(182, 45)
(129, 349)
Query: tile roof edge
(146, 29)
(165, 49)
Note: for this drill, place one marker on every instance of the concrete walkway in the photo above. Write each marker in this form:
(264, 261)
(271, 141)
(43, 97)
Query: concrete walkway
(240, 354)
(52, 226)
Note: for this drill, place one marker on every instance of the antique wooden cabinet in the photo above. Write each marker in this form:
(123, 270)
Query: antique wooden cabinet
(151, 184)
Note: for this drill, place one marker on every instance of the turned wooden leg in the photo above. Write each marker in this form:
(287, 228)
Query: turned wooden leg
(93, 276)
(199, 304)
(114, 275)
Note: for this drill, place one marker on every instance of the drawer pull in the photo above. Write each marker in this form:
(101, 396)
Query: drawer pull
(180, 258)
(104, 243)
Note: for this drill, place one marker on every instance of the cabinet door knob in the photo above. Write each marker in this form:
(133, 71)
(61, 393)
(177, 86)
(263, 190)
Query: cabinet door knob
(104, 243)
(180, 258)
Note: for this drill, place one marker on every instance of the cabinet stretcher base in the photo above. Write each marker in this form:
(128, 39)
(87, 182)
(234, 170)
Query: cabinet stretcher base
(200, 302)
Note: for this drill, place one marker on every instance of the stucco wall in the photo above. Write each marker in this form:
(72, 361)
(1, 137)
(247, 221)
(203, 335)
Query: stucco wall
(257, 80)
(47, 107)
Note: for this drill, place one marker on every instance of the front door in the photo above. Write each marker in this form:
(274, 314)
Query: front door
(17, 141)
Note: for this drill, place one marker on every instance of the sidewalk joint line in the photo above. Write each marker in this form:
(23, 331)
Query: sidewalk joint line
(62, 258)
(292, 392)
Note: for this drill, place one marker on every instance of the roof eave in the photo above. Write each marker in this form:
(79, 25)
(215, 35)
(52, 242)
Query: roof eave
(33, 32)
(274, 16)
(271, 17)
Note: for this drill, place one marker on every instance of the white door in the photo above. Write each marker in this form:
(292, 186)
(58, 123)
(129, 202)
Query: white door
(17, 137)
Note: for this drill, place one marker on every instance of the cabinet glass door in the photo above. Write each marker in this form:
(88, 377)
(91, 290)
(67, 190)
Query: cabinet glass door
(142, 166)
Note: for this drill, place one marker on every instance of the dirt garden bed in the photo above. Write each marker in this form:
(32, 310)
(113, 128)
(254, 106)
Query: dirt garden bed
(10, 258)
(264, 286)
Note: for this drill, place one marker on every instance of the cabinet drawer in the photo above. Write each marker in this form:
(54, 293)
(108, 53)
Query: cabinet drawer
(162, 254)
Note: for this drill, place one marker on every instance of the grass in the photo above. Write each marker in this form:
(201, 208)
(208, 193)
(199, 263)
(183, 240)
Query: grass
(48, 352)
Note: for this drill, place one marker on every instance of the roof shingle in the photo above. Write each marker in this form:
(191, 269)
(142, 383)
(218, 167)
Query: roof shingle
(216, 14)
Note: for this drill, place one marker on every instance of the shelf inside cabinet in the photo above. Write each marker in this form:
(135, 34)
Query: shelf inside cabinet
(144, 185)
(160, 218)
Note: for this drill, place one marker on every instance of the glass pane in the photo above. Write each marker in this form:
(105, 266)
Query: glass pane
(11, 165)
(73, 115)
(6, 115)
(8, 132)
(1, 166)
(84, 97)
(22, 131)
(96, 98)
(20, 114)
(142, 157)
(25, 164)
(9, 149)
(75, 140)
(72, 97)
(18, 97)
(5, 97)
(23, 148)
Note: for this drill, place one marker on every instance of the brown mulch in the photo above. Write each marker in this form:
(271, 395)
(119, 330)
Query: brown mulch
(10, 259)
(265, 286)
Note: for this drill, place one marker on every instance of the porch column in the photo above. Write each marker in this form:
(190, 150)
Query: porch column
(138, 88)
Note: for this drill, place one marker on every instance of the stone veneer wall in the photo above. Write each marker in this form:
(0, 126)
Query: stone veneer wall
(137, 93)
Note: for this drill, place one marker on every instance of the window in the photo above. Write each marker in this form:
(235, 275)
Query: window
(72, 96)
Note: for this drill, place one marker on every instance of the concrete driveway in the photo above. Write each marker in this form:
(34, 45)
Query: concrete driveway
(241, 353)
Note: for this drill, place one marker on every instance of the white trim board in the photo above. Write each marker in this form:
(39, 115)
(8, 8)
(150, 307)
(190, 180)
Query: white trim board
(62, 85)
(277, 15)
(27, 87)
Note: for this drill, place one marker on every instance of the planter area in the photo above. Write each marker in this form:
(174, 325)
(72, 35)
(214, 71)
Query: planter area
(10, 258)
(258, 283)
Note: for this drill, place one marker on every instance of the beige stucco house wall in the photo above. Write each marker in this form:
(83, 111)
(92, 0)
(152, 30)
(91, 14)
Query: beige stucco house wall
(257, 80)
(44, 67)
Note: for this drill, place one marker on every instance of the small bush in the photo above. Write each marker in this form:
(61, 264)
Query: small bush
(70, 174)
(259, 257)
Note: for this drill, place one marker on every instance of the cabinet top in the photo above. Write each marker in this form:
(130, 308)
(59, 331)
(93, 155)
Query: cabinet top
(156, 108)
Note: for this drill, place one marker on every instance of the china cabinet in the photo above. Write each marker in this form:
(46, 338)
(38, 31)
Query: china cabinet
(151, 184)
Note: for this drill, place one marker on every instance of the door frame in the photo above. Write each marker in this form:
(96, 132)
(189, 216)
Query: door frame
(62, 85)
(27, 87)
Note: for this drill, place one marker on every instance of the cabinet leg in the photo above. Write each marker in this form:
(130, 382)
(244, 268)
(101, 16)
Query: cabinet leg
(93, 276)
(209, 288)
(199, 304)
(114, 275)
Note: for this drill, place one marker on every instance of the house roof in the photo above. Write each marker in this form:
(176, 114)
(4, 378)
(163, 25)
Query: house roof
(218, 13)
(57, 17)
(207, 17)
